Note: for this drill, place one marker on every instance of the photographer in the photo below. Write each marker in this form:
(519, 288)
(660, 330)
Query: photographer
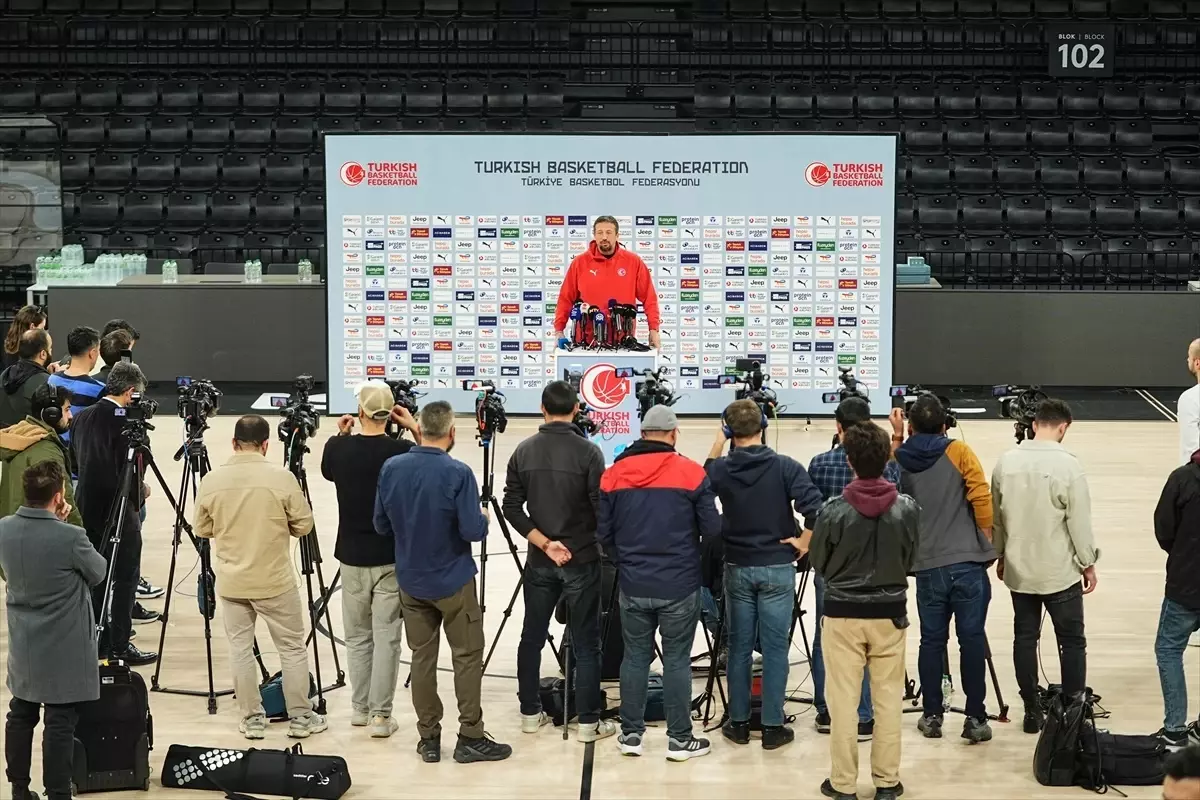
(831, 472)
(370, 596)
(946, 479)
(252, 510)
(22, 379)
(52, 654)
(33, 441)
(83, 344)
(428, 505)
(556, 473)
(100, 451)
(1043, 537)
(758, 489)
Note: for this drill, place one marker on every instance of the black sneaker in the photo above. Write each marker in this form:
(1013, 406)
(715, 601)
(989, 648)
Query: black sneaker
(24, 794)
(1034, 719)
(147, 591)
(142, 616)
(135, 657)
(776, 736)
(1194, 733)
(736, 732)
(430, 750)
(485, 748)
(889, 792)
(1173, 740)
(866, 730)
(930, 726)
(684, 749)
(976, 730)
(828, 790)
(821, 723)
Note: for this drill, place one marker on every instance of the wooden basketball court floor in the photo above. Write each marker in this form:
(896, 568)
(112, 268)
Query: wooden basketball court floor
(1127, 463)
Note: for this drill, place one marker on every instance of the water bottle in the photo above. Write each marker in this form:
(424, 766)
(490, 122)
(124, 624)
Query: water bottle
(170, 271)
(947, 690)
(304, 271)
(248, 271)
(257, 271)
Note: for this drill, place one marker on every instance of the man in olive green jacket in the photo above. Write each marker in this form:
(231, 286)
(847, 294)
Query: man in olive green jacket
(32, 441)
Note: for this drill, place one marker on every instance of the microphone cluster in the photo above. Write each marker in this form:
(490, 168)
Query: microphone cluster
(594, 328)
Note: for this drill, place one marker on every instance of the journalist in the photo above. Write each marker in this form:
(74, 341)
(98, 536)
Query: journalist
(36, 440)
(428, 505)
(551, 495)
(655, 507)
(758, 489)
(370, 595)
(27, 318)
(112, 345)
(1188, 408)
(51, 566)
(99, 452)
(252, 510)
(22, 379)
(1043, 538)
(831, 473)
(1177, 528)
(864, 545)
(946, 479)
(83, 344)
(121, 325)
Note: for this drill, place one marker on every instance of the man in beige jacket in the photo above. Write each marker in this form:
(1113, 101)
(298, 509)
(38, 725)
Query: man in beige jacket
(251, 509)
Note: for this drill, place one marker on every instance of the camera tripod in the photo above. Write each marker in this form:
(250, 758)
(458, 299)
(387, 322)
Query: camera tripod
(913, 690)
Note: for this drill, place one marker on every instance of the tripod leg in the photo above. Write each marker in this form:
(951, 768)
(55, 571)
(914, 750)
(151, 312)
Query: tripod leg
(166, 614)
(568, 646)
(504, 621)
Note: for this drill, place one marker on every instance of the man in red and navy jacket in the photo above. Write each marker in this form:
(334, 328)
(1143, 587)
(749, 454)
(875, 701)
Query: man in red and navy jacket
(655, 506)
(607, 271)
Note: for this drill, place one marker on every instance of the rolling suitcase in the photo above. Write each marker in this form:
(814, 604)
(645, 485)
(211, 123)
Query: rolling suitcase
(115, 734)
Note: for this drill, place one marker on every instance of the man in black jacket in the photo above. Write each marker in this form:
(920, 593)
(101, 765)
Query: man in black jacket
(1177, 528)
(758, 489)
(22, 379)
(555, 474)
(863, 545)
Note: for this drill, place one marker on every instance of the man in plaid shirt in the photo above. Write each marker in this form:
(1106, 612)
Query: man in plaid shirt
(831, 473)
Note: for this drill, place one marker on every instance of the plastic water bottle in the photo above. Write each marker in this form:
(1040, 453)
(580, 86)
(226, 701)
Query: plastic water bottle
(170, 271)
(947, 691)
(248, 271)
(304, 271)
(257, 271)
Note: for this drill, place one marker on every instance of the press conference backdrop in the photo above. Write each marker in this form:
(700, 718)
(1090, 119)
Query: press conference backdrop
(447, 253)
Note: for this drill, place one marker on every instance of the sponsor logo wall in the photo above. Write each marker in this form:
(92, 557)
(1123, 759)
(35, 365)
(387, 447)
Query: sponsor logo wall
(446, 260)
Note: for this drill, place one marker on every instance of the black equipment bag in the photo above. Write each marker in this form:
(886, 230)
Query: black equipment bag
(115, 734)
(550, 691)
(1056, 755)
(238, 773)
(1113, 759)
(612, 648)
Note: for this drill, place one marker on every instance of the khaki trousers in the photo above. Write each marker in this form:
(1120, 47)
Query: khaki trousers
(848, 646)
(284, 615)
(462, 620)
(371, 617)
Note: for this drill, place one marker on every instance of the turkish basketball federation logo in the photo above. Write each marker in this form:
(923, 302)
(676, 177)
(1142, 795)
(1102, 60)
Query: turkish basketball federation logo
(352, 173)
(817, 174)
(601, 389)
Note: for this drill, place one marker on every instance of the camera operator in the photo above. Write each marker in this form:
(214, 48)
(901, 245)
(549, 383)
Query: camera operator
(52, 655)
(252, 509)
(100, 451)
(1043, 537)
(556, 473)
(758, 489)
(34, 440)
(428, 505)
(955, 550)
(21, 380)
(831, 472)
(83, 343)
(370, 596)
(864, 545)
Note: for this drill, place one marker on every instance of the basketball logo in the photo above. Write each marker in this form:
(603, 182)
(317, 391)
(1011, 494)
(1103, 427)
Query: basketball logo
(817, 174)
(352, 173)
(621, 272)
(601, 389)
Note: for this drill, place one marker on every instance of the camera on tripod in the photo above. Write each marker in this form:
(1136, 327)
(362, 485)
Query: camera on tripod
(1019, 405)
(405, 395)
(752, 386)
(651, 391)
(899, 395)
(490, 417)
(851, 387)
(198, 399)
(136, 416)
(300, 418)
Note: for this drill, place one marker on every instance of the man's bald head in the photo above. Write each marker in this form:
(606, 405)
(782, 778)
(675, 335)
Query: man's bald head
(1194, 358)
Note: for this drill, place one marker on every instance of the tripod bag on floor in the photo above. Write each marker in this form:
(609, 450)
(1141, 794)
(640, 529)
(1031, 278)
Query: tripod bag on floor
(114, 735)
(241, 773)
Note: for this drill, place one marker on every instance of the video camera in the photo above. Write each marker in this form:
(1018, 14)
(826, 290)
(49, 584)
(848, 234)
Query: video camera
(652, 391)
(136, 416)
(198, 398)
(582, 420)
(851, 387)
(490, 417)
(899, 395)
(300, 418)
(1019, 405)
(405, 395)
(754, 387)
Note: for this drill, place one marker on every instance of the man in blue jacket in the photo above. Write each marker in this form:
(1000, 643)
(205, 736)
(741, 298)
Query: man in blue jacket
(428, 503)
(758, 489)
(655, 505)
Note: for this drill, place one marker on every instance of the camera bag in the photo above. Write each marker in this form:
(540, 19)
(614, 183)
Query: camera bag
(238, 773)
(550, 691)
(273, 703)
(1056, 755)
(1113, 759)
(115, 734)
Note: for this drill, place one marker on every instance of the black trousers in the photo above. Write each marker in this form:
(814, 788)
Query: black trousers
(126, 571)
(1066, 614)
(58, 746)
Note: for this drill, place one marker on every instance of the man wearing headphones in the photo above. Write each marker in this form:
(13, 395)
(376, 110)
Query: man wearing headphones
(758, 489)
(35, 439)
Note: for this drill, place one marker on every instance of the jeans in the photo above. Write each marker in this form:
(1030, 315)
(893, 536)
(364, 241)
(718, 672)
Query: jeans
(676, 622)
(760, 602)
(543, 586)
(1066, 614)
(710, 614)
(58, 746)
(1175, 625)
(371, 616)
(865, 711)
(962, 591)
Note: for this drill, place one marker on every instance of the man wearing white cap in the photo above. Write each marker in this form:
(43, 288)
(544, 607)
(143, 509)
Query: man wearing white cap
(370, 598)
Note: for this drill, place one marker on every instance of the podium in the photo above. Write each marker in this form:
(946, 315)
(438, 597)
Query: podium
(612, 400)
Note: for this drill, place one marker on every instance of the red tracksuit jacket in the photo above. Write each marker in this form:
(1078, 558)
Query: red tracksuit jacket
(595, 280)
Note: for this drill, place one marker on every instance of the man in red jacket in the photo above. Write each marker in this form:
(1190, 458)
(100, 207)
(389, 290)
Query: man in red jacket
(606, 272)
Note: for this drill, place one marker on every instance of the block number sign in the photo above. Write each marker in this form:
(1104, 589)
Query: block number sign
(1080, 51)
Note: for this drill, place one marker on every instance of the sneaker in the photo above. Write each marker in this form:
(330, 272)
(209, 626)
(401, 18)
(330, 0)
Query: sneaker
(736, 732)
(382, 727)
(142, 616)
(776, 736)
(1194, 733)
(889, 792)
(430, 750)
(24, 794)
(930, 726)
(1034, 719)
(132, 634)
(484, 748)
(360, 719)
(595, 731)
(976, 730)
(532, 723)
(821, 723)
(693, 747)
(630, 744)
(253, 727)
(305, 726)
(1173, 740)
(134, 657)
(866, 730)
(148, 591)
(828, 790)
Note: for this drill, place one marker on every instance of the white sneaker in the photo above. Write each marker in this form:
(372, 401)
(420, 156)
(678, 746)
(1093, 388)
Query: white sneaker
(360, 719)
(595, 731)
(253, 727)
(382, 727)
(532, 723)
(630, 744)
(307, 725)
(1195, 640)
